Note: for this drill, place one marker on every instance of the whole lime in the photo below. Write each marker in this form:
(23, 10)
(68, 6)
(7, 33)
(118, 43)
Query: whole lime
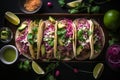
(112, 19)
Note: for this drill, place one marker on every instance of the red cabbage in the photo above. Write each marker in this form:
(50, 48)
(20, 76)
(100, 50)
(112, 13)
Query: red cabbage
(47, 33)
(113, 56)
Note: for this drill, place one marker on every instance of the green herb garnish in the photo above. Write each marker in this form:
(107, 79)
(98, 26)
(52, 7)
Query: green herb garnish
(61, 32)
(30, 38)
(80, 35)
(90, 6)
(61, 2)
(24, 65)
(89, 32)
(35, 30)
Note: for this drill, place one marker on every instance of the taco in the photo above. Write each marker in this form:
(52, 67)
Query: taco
(21, 39)
(98, 41)
(65, 40)
(83, 37)
(89, 39)
(27, 40)
(47, 47)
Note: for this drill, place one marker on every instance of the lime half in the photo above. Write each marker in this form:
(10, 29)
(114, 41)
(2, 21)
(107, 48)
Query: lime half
(37, 68)
(97, 71)
(12, 18)
(74, 3)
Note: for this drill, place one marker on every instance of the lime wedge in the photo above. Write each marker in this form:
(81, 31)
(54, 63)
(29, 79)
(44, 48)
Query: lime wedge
(12, 18)
(74, 3)
(37, 68)
(97, 71)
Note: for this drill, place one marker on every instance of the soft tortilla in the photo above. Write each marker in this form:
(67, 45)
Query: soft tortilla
(83, 56)
(31, 46)
(91, 38)
(93, 55)
(58, 55)
(55, 41)
(39, 37)
(18, 33)
(52, 51)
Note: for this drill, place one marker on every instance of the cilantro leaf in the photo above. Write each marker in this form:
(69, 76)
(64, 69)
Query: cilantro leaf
(112, 41)
(30, 38)
(61, 2)
(50, 77)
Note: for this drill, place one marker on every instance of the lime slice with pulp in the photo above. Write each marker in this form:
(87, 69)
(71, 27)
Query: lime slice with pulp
(37, 68)
(12, 18)
(97, 71)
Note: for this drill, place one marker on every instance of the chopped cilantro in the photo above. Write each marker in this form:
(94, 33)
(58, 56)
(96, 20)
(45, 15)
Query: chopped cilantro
(30, 38)
(35, 30)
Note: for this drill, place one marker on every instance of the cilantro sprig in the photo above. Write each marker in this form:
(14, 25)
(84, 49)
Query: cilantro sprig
(90, 6)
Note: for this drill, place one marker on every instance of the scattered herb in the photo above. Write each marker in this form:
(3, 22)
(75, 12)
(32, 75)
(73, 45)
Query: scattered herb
(73, 11)
(85, 7)
(61, 2)
(51, 67)
(50, 77)
(95, 9)
(24, 65)
(90, 6)
(113, 39)
(49, 72)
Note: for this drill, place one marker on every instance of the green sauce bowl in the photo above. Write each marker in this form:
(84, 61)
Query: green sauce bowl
(8, 54)
(6, 34)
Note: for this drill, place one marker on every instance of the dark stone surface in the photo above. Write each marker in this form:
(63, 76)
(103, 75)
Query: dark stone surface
(11, 72)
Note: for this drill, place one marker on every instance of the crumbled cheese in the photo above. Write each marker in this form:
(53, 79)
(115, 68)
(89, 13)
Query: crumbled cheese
(87, 40)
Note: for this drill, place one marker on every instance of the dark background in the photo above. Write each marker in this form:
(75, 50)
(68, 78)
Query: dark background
(9, 72)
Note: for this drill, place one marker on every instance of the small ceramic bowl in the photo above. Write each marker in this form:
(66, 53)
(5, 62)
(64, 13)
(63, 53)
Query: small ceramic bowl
(8, 54)
(23, 9)
(6, 34)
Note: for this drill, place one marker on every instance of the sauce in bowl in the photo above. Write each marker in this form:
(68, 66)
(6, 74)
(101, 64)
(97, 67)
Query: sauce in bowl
(8, 54)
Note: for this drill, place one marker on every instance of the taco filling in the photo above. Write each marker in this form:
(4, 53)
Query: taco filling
(82, 38)
(98, 40)
(21, 38)
(47, 49)
(32, 38)
(65, 39)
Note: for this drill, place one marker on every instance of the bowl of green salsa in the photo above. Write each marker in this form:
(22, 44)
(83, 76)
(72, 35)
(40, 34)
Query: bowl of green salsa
(8, 54)
(6, 34)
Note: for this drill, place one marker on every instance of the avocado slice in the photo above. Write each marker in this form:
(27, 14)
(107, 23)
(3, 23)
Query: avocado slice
(60, 41)
(4, 35)
(4, 32)
(51, 19)
(78, 50)
(22, 27)
(60, 25)
(43, 49)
